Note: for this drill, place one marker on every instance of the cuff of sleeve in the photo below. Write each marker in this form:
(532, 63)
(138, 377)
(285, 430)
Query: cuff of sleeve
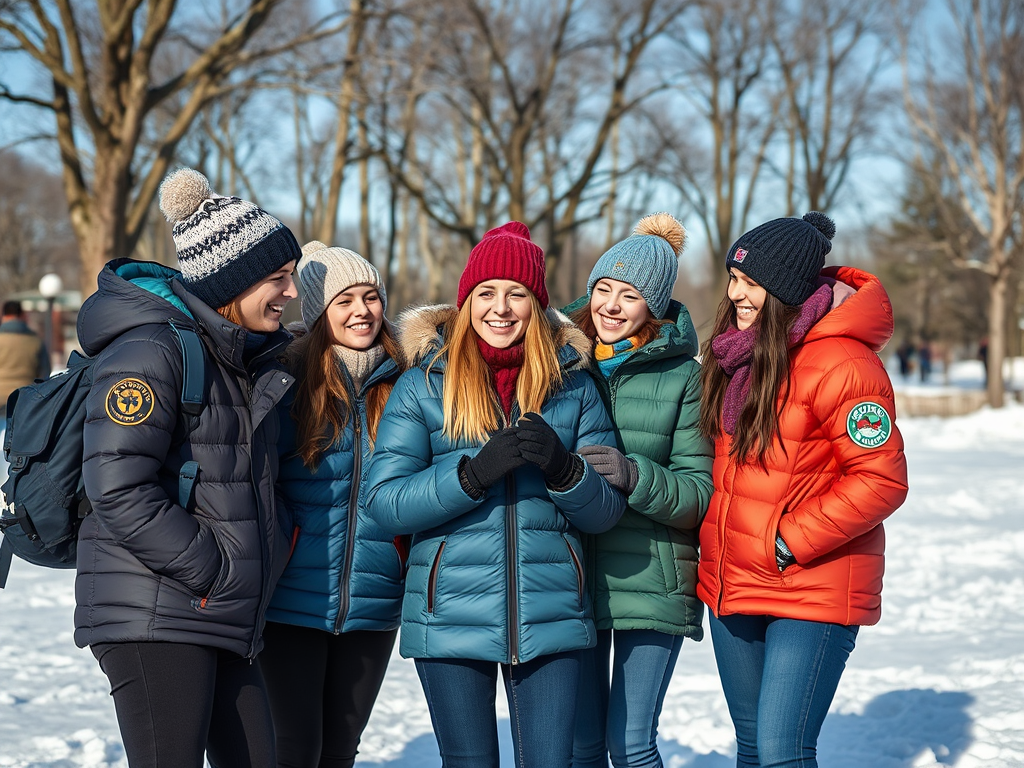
(570, 476)
(467, 484)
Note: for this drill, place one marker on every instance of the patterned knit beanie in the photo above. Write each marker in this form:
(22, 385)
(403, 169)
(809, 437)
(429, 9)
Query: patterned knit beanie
(505, 253)
(648, 260)
(225, 245)
(785, 256)
(325, 272)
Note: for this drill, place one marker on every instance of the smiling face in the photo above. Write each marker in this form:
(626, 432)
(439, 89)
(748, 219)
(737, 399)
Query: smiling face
(260, 307)
(747, 298)
(617, 309)
(355, 316)
(500, 312)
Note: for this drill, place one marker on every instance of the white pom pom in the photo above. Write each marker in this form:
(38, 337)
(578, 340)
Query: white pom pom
(312, 247)
(665, 226)
(181, 194)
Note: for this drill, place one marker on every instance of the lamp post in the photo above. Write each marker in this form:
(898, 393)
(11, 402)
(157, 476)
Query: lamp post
(50, 286)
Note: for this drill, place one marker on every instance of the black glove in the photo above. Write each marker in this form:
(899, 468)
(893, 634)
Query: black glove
(539, 444)
(612, 465)
(499, 456)
(783, 557)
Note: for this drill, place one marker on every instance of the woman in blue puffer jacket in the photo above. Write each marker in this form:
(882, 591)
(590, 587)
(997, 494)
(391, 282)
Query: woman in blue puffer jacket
(476, 458)
(333, 618)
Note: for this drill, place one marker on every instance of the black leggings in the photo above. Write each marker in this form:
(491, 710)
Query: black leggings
(322, 688)
(176, 701)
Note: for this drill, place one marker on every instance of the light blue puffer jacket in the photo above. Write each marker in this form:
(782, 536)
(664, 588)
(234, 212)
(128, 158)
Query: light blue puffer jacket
(345, 572)
(498, 579)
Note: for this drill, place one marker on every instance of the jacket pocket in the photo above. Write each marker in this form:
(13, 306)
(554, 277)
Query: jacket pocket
(294, 541)
(577, 565)
(432, 579)
(200, 603)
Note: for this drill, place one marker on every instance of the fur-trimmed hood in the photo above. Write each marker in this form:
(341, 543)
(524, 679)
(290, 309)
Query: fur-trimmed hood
(421, 330)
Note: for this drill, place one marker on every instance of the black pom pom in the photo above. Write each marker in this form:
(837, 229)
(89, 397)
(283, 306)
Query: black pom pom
(821, 222)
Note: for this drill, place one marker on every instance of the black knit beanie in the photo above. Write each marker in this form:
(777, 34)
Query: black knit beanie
(785, 256)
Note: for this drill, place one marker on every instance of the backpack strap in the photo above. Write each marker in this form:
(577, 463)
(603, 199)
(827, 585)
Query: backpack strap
(193, 393)
(5, 560)
(193, 380)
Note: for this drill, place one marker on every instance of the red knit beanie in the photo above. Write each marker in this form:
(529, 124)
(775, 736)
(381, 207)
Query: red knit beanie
(505, 253)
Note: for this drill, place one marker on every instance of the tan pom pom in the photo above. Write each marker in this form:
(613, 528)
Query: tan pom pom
(312, 247)
(665, 226)
(181, 194)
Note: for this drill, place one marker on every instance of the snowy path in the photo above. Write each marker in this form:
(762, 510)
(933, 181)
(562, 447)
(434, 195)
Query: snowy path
(940, 682)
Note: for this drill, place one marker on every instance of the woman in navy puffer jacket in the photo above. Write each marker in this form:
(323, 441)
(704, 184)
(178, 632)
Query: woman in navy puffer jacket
(333, 618)
(475, 458)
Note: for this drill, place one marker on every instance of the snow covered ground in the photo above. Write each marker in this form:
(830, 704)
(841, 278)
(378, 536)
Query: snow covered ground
(939, 682)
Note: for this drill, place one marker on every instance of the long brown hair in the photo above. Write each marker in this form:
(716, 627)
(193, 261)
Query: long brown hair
(469, 399)
(232, 312)
(323, 401)
(757, 426)
(648, 332)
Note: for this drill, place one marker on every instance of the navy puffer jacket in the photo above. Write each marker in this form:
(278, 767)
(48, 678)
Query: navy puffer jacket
(500, 578)
(148, 568)
(345, 572)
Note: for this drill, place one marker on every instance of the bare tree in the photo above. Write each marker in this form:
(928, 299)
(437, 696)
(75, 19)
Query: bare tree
(967, 118)
(830, 57)
(103, 62)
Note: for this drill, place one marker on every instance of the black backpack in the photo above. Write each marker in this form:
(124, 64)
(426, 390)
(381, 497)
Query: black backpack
(44, 495)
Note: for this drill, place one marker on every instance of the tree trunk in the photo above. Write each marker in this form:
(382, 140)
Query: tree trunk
(998, 291)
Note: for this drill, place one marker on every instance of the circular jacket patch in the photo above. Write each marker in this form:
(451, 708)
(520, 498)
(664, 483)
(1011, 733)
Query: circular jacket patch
(129, 402)
(868, 425)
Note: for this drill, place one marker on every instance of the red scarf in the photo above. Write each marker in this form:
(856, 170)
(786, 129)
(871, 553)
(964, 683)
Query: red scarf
(505, 365)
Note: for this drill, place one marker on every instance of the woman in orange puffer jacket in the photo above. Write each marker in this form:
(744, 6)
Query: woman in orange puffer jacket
(808, 463)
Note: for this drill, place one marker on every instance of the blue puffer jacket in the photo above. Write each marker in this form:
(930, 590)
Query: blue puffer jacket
(501, 578)
(345, 572)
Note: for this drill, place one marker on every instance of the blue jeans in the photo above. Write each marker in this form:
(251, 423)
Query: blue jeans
(621, 719)
(541, 701)
(779, 677)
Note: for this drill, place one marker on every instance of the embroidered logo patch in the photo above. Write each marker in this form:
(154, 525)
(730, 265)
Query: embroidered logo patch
(868, 425)
(740, 255)
(130, 402)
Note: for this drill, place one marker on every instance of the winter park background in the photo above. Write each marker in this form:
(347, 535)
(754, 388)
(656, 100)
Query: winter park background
(939, 682)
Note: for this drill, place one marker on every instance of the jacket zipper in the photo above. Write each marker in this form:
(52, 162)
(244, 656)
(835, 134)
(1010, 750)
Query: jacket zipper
(512, 555)
(350, 541)
(432, 579)
(261, 516)
(721, 546)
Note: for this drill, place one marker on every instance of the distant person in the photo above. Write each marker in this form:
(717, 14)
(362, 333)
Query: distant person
(23, 355)
(905, 354)
(982, 355)
(924, 360)
(808, 463)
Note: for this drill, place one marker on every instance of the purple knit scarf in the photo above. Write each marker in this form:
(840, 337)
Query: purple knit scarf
(735, 348)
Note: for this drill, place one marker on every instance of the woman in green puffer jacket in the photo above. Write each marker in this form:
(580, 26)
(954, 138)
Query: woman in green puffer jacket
(644, 570)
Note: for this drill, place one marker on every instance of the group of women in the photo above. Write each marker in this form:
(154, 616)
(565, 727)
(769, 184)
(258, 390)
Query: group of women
(511, 488)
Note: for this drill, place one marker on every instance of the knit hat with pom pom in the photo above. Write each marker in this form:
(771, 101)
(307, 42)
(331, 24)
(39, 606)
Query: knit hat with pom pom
(225, 245)
(785, 256)
(648, 260)
(505, 253)
(326, 272)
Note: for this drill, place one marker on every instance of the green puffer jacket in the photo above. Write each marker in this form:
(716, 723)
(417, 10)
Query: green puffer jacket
(644, 570)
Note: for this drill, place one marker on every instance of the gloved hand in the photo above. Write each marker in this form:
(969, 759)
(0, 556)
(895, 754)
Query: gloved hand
(539, 444)
(499, 456)
(612, 465)
(783, 557)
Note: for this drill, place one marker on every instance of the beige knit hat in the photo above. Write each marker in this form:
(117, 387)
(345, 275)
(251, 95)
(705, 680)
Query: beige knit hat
(325, 272)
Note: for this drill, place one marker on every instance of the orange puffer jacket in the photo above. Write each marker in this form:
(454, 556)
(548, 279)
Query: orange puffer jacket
(841, 474)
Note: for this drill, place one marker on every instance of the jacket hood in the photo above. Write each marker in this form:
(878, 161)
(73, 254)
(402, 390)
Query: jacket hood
(129, 294)
(421, 332)
(865, 316)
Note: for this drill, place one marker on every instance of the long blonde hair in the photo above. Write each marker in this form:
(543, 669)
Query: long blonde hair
(470, 402)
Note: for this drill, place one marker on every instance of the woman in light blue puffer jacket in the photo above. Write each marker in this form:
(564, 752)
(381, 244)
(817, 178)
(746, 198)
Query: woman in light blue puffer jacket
(333, 617)
(476, 459)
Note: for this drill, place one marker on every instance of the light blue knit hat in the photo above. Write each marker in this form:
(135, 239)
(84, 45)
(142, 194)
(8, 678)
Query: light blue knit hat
(648, 260)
